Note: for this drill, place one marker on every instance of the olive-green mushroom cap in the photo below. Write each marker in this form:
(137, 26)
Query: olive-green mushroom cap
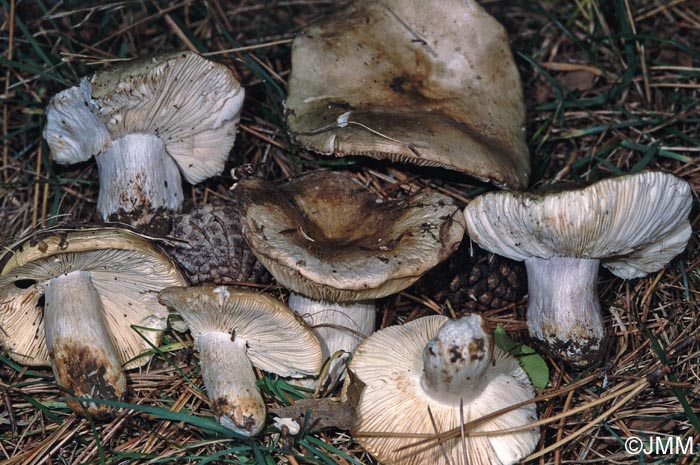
(429, 83)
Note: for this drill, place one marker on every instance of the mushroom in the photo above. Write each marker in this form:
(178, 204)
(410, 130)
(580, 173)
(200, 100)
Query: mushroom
(633, 224)
(234, 330)
(433, 369)
(85, 302)
(145, 122)
(429, 83)
(337, 248)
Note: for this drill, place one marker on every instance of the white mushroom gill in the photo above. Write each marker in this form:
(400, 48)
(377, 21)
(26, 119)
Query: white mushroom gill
(72, 130)
(429, 375)
(234, 330)
(148, 122)
(83, 356)
(632, 225)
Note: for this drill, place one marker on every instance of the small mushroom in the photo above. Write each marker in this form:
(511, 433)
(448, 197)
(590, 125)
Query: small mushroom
(434, 369)
(338, 247)
(145, 122)
(633, 224)
(74, 300)
(429, 83)
(234, 330)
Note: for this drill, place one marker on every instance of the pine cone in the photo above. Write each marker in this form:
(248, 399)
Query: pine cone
(474, 284)
(214, 251)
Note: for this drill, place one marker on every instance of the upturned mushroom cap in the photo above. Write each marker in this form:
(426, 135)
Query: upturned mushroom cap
(634, 224)
(125, 269)
(74, 299)
(233, 329)
(192, 104)
(393, 395)
(146, 122)
(276, 339)
(325, 236)
(430, 83)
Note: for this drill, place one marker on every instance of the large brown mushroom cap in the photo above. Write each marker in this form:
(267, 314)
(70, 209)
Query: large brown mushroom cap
(325, 236)
(125, 269)
(430, 83)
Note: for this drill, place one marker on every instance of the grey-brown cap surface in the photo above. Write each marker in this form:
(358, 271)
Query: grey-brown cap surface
(326, 236)
(429, 83)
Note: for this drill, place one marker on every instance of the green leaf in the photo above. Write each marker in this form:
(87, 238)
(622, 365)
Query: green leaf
(532, 362)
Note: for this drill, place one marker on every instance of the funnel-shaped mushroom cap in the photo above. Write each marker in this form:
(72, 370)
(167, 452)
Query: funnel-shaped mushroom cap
(327, 237)
(634, 224)
(192, 104)
(125, 269)
(430, 83)
(392, 395)
(276, 339)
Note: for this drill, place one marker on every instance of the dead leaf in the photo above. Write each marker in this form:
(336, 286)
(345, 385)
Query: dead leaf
(577, 80)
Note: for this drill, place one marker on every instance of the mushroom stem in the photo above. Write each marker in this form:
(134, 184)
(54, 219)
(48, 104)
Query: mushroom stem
(83, 356)
(230, 382)
(339, 326)
(455, 360)
(564, 310)
(139, 181)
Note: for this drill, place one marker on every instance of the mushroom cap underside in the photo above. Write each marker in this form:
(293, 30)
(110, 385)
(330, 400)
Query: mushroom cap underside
(385, 383)
(439, 89)
(125, 269)
(192, 104)
(634, 224)
(277, 340)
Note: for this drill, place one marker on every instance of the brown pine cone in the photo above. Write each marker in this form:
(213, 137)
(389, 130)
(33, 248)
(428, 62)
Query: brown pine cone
(474, 284)
(213, 250)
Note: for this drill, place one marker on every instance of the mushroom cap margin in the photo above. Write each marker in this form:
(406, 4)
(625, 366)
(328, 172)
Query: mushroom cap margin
(325, 236)
(440, 89)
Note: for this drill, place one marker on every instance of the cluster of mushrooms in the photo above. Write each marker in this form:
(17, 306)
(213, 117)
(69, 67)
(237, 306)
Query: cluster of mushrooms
(93, 302)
